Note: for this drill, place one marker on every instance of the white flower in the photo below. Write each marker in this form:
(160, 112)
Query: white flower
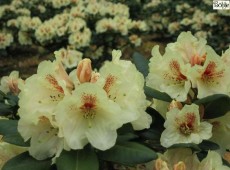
(88, 116)
(69, 58)
(220, 131)
(191, 49)
(168, 74)
(124, 85)
(43, 135)
(5, 40)
(212, 161)
(212, 77)
(10, 83)
(175, 159)
(184, 126)
(42, 91)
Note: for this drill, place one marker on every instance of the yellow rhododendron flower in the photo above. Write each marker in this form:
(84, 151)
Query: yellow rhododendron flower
(124, 85)
(89, 116)
(184, 126)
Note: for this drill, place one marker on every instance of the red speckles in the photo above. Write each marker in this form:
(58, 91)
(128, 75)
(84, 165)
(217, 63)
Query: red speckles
(175, 72)
(110, 80)
(210, 73)
(89, 105)
(186, 126)
(53, 82)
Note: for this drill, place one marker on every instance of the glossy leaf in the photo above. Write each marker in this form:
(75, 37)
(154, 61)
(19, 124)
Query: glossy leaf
(211, 98)
(152, 93)
(128, 153)
(25, 162)
(141, 63)
(84, 159)
(8, 129)
(217, 108)
(185, 145)
(208, 145)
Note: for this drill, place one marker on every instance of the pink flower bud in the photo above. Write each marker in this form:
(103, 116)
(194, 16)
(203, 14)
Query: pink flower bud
(84, 70)
(179, 166)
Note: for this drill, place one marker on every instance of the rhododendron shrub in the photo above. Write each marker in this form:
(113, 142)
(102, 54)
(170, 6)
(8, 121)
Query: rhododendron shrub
(167, 113)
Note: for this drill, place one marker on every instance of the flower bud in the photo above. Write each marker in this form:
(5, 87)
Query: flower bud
(84, 70)
(227, 156)
(179, 166)
(161, 165)
(175, 104)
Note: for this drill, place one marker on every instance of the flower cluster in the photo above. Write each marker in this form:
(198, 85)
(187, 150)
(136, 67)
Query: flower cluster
(68, 111)
(189, 67)
(80, 25)
(60, 111)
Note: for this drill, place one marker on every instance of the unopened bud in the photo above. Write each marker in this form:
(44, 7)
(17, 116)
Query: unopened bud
(179, 166)
(175, 104)
(161, 165)
(227, 156)
(84, 70)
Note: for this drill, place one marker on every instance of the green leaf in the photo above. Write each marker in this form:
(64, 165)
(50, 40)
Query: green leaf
(185, 145)
(210, 98)
(126, 137)
(217, 108)
(208, 145)
(84, 159)
(141, 63)
(12, 99)
(128, 153)
(149, 92)
(5, 109)
(8, 129)
(25, 162)
(151, 134)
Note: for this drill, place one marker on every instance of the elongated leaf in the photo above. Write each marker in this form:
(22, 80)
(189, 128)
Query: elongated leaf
(8, 129)
(128, 153)
(208, 145)
(141, 63)
(25, 162)
(78, 160)
(186, 145)
(5, 109)
(217, 108)
(126, 137)
(12, 99)
(149, 92)
(210, 98)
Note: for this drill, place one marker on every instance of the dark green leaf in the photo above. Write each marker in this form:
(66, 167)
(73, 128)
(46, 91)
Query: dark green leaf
(158, 120)
(126, 128)
(78, 160)
(141, 63)
(185, 145)
(8, 129)
(25, 162)
(217, 108)
(151, 134)
(149, 92)
(5, 109)
(12, 99)
(210, 98)
(208, 145)
(126, 137)
(128, 153)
